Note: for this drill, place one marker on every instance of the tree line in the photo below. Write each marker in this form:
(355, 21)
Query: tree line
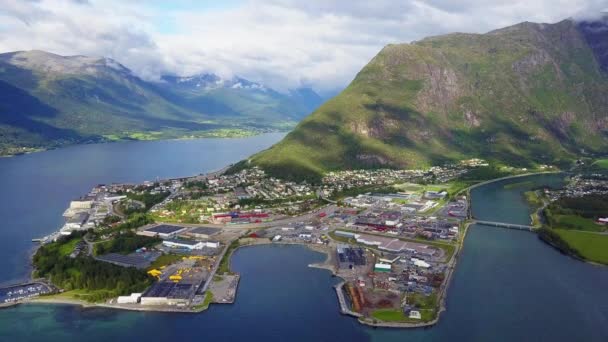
(104, 280)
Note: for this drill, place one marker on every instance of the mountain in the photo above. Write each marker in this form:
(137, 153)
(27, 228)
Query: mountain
(529, 93)
(49, 100)
(238, 98)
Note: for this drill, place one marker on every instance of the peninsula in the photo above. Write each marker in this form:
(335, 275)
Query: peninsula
(393, 236)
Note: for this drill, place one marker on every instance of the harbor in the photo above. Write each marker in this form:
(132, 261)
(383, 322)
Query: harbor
(18, 293)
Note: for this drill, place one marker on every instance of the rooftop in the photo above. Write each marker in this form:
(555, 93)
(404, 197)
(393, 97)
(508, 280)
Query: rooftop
(165, 229)
(125, 260)
(183, 242)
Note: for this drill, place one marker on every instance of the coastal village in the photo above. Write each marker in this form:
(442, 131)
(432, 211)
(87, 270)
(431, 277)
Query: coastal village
(392, 236)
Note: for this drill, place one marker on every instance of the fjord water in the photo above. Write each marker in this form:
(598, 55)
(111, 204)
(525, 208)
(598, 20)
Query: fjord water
(508, 286)
(36, 188)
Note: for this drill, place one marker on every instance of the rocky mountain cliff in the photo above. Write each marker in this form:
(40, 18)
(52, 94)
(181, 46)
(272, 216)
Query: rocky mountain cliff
(529, 93)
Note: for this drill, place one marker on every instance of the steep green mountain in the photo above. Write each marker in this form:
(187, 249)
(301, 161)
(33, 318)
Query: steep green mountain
(48, 100)
(530, 93)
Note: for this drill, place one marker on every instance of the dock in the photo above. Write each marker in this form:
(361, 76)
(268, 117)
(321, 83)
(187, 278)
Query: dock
(343, 307)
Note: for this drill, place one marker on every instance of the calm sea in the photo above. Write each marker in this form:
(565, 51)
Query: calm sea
(508, 286)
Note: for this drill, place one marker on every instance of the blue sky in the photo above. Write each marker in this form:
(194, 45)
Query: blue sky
(167, 24)
(281, 43)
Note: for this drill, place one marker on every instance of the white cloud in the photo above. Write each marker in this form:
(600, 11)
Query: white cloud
(283, 43)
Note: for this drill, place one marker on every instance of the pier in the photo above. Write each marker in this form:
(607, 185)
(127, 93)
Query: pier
(342, 301)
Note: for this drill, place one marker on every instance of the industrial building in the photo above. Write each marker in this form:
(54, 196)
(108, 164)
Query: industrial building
(85, 203)
(130, 260)
(132, 299)
(77, 221)
(415, 314)
(190, 244)
(342, 233)
(79, 205)
(168, 293)
(163, 231)
(382, 267)
(239, 217)
(349, 256)
(420, 263)
(203, 232)
(395, 245)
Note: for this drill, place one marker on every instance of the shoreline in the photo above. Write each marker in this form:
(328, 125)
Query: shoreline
(442, 307)
(50, 300)
(326, 264)
(125, 140)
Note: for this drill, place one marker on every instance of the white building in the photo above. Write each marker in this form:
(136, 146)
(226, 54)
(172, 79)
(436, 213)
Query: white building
(210, 244)
(115, 198)
(189, 244)
(132, 299)
(421, 263)
(81, 204)
(77, 221)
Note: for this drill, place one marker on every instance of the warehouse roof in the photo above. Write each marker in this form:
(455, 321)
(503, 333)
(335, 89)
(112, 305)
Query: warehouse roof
(165, 229)
(125, 260)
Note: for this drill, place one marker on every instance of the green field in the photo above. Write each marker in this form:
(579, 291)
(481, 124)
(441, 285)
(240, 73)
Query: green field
(427, 305)
(67, 248)
(533, 199)
(390, 315)
(205, 304)
(224, 266)
(601, 163)
(592, 246)
(575, 222)
(397, 315)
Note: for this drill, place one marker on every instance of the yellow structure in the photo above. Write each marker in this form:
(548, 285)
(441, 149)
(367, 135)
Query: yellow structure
(155, 273)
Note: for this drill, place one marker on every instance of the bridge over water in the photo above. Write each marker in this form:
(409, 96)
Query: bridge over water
(504, 225)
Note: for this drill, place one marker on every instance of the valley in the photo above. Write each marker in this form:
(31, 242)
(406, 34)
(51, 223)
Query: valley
(49, 101)
(524, 95)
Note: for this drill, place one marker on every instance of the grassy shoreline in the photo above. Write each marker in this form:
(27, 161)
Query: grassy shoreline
(143, 136)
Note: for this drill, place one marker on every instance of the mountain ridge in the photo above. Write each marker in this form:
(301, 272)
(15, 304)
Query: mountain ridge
(529, 93)
(79, 99)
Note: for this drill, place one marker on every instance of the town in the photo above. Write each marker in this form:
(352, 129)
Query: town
(391, 235)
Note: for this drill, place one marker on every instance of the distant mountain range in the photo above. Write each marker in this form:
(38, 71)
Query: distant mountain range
(526, 94)
(48, 100)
